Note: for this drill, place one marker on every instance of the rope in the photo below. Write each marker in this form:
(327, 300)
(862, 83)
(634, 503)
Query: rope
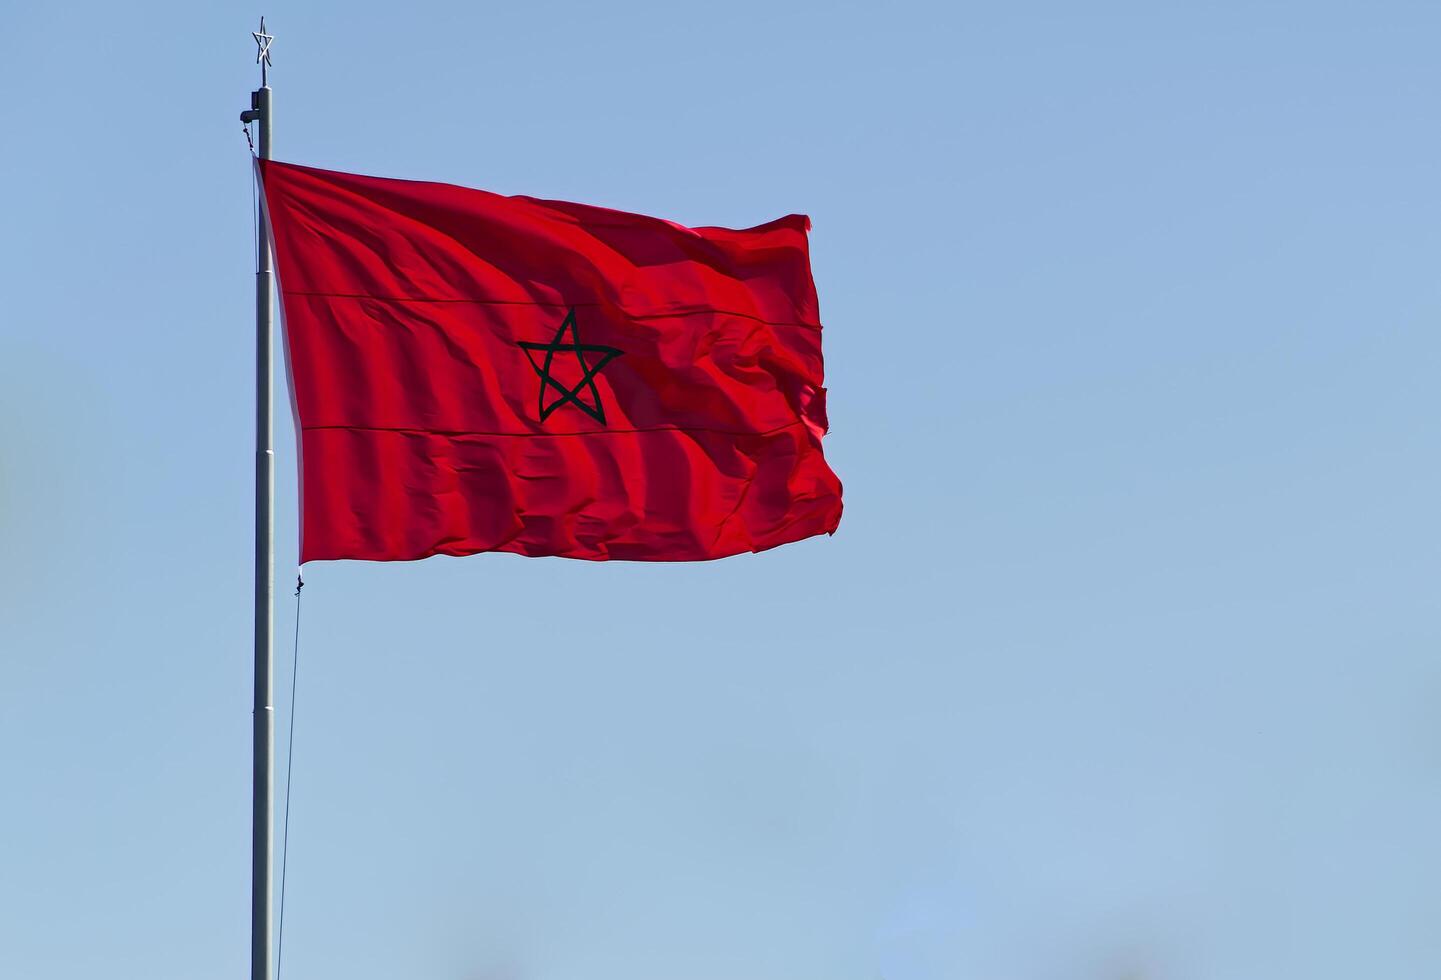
(254, 209)
(289, 765)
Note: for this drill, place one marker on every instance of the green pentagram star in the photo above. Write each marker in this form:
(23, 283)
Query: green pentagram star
(588, 370)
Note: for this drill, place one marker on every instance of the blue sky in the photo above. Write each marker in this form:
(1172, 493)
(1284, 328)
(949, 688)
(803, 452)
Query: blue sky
(1123, 664)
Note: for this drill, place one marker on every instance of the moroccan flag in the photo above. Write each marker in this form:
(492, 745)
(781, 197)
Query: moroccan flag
(473, 372)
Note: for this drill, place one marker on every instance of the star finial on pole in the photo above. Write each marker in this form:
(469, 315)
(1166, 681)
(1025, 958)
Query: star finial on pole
(262, 56)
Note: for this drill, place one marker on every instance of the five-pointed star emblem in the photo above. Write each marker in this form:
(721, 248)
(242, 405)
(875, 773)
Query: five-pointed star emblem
(588, 370)
(262, 41)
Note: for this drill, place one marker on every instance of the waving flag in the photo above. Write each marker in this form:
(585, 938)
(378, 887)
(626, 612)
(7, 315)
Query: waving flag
(473, 373)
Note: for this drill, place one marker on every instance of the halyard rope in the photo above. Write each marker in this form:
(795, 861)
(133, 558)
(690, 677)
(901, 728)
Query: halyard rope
(289, 764)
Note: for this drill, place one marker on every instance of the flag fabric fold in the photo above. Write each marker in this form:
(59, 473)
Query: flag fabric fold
(472, 373)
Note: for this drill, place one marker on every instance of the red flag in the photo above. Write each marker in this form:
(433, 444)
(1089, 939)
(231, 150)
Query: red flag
(473, 372)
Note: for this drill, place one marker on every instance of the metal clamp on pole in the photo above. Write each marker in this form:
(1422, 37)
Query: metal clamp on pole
(255, 113)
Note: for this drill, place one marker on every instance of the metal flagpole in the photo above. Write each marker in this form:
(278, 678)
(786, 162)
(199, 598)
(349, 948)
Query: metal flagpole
(263, 745)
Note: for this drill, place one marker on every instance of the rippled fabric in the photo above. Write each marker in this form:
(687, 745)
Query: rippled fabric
(426, 428)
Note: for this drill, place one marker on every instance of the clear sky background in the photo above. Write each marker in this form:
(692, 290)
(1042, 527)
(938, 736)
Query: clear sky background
(1122, 666)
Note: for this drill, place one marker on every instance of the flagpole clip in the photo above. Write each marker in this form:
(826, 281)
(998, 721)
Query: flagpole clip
(254, 113)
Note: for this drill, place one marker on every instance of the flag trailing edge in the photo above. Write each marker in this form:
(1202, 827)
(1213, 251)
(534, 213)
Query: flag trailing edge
(471, 372)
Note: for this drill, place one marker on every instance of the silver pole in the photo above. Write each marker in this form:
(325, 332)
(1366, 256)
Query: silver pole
(263, 749)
